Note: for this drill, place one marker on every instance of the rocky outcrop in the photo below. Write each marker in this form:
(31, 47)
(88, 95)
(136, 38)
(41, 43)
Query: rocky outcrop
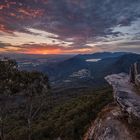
(109, 126)
(121, 121)
(135, 74)
(125, 94)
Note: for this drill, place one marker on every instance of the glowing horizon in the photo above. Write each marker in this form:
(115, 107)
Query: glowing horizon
(42, 27)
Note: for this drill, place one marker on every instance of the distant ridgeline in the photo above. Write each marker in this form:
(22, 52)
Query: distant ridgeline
(135, 73)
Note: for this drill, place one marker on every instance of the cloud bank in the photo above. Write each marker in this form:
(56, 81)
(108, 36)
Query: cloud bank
(72, 26)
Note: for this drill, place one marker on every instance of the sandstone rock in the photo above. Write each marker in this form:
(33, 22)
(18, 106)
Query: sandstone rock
(125, 93)
(107, 126)
(134, 73)
(137, 81)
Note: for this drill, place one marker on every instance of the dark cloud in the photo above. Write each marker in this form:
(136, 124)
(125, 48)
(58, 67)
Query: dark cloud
(132, 43)
(81, 20)
(3, 45)
(49, 47)
(71, 18)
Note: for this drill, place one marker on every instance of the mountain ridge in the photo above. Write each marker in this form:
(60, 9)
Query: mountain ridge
(114, 63)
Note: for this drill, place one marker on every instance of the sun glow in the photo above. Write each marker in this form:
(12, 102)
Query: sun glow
(43, 51)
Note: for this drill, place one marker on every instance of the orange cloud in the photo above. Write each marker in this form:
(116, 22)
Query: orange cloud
(46, 49)
(4, 6)
(40, 49)
(2, 50)
(7, 5)
(51, 49)
(43, 51)
(58, 51)
(31, 12)
(4, 29)
(13, 14)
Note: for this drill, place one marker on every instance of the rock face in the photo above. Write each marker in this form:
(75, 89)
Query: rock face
(135, 73)
(125, 94)
(108, 126)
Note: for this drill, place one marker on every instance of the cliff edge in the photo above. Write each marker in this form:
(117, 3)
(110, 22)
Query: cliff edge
(121, 119)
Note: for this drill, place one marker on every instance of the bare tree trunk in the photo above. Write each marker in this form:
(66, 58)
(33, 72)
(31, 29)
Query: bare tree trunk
(29, 129)
(29, 119)
(1, 124)
(2, 131)
(34, 105)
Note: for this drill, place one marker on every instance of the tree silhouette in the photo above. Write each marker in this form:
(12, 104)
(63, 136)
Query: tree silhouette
(36, 92)
(7, 71)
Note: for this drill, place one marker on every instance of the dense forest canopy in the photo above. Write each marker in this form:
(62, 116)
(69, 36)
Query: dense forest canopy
(29, 111)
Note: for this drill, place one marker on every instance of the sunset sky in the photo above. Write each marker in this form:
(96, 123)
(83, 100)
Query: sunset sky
(69, 26)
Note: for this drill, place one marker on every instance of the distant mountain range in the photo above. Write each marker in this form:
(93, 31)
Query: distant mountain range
(100, 55)
(83, 70)
(89, 69)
